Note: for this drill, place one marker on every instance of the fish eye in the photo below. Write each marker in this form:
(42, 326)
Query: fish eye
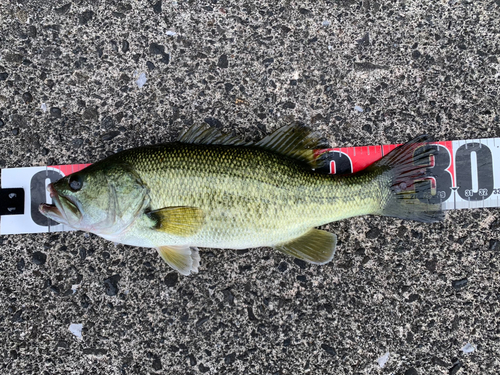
(75, 182)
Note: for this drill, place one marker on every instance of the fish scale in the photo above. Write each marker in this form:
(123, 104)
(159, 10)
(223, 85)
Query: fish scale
(252, 197)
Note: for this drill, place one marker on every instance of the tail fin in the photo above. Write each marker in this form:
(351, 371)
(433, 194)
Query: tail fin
(407, 179)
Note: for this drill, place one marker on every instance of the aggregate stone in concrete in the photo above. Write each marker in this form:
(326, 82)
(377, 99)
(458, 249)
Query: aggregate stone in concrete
(80, 80)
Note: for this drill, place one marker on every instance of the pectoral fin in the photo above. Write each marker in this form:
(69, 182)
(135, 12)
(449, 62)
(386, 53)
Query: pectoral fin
(180, 221)
(316, 246)
(184, 259)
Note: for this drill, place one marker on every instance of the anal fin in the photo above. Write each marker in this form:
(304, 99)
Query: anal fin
(316, 246)
(184, 259)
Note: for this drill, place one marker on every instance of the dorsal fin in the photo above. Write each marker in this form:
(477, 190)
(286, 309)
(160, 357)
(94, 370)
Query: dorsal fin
(203, 134)
(296, 141)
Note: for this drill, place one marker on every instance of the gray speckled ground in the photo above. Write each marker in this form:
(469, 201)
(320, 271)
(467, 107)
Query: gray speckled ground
(250, 67)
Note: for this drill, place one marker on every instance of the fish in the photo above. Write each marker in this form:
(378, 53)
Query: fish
(213, 190)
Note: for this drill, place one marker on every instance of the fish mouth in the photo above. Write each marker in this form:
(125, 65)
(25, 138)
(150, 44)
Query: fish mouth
(64, 211)
(51, 211)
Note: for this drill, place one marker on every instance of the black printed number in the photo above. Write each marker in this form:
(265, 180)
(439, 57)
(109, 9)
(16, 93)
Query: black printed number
(38, 194)
(337, 163)
(437, 174)
(484, 165)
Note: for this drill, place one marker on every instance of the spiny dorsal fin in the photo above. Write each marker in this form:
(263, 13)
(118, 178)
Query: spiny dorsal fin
(203, 134)
(179, 221)
(316, 246)
(296, 141)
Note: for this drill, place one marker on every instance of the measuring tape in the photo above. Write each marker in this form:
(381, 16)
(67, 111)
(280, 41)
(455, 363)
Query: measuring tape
(462, 174)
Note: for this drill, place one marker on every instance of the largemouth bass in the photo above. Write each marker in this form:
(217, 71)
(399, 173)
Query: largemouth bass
(212, 190)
